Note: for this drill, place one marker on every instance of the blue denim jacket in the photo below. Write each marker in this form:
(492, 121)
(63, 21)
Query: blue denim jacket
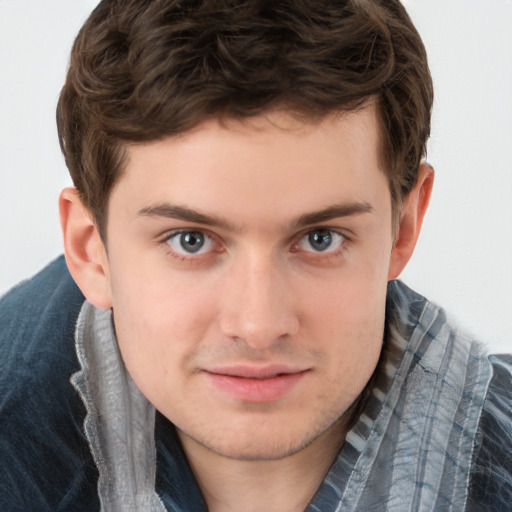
(390, 461)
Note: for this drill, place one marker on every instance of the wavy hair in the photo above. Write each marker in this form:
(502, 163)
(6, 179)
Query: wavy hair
(142, 70)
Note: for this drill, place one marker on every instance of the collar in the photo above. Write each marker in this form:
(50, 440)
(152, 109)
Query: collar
(410, 448)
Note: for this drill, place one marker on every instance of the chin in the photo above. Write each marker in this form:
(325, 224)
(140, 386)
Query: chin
(267, 441)
(260, 450)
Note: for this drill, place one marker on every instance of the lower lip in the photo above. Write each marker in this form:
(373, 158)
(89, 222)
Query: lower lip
(256, 390)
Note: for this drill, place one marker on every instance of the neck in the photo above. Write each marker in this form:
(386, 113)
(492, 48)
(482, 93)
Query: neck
(283, 485)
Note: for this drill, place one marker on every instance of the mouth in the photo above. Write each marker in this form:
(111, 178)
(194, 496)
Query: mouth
(256, 384)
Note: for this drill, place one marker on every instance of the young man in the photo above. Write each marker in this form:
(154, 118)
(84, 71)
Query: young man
(248, 180)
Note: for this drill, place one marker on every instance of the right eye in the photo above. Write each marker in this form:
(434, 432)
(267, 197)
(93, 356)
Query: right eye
(321, 240)
(187, 243)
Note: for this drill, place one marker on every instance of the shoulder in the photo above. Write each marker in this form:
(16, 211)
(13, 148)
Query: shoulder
(470, 392)
(491, 470)
(37, 319)
(45, 458)
(47, 297)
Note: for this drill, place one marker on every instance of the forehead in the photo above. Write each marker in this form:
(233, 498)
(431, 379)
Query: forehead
(271, 166)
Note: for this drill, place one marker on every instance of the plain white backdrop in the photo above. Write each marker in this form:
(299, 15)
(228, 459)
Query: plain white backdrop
(464, 258)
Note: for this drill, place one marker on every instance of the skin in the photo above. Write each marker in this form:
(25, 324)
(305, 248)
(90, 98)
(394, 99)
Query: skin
(259, 292)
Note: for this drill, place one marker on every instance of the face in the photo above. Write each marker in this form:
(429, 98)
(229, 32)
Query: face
(247, 267)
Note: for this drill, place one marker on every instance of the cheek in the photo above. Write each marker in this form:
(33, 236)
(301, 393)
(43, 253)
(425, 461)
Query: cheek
(346, 315)
(352, 324)
(355, 293)
(160, 318)
(159, 330)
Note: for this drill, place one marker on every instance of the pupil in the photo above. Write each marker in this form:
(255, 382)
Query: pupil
(192, 242)
(320, 239)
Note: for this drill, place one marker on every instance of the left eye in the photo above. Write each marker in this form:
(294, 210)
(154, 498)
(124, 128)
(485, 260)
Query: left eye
(190, 242)
(321, 240)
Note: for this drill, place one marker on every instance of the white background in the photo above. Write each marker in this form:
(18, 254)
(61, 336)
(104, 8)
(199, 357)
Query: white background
(464, 257)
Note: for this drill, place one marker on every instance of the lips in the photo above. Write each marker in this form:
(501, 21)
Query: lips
(256, 384)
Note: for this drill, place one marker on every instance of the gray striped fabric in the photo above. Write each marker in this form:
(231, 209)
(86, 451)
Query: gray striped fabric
(411, 449)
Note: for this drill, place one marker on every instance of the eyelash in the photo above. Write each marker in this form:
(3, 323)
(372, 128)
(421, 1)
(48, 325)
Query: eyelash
(294, 246)
(335, 237)
(191, 257)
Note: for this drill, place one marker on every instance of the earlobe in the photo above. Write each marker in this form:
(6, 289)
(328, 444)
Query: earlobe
(84, 249)
(411, 218)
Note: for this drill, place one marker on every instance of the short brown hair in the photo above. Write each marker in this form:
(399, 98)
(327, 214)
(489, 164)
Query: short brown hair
(142, 70)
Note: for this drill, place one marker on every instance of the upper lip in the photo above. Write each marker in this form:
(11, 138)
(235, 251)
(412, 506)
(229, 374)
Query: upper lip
(256, 372)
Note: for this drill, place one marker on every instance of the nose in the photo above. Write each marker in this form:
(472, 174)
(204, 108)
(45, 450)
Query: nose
(258, 305)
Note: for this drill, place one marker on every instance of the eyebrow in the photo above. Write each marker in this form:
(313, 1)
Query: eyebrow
(333, 212)
(170, 211)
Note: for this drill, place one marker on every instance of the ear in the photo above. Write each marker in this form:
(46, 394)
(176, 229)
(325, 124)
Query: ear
(84, 250)
(411, 218)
